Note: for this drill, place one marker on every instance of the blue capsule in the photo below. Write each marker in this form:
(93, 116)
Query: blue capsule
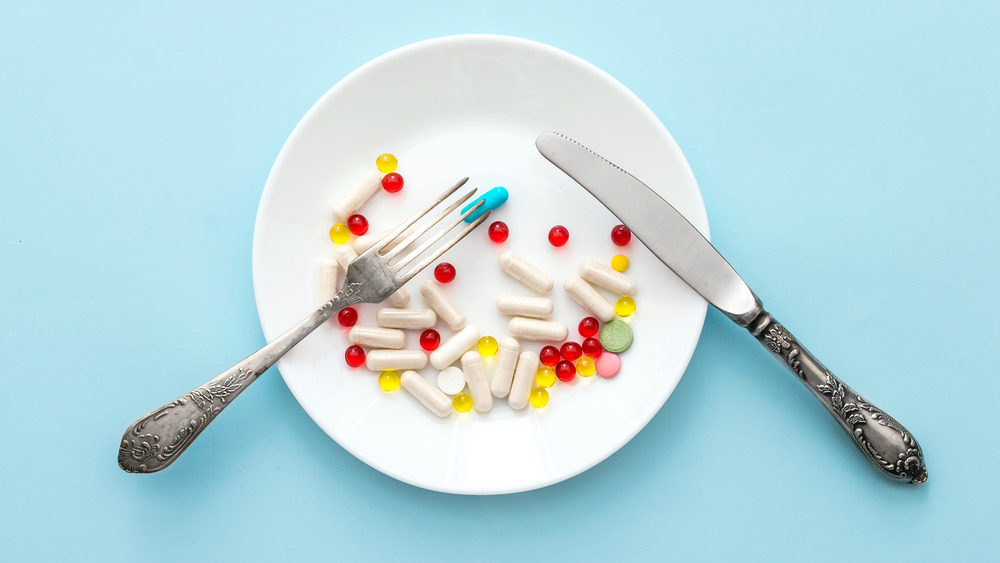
(493, 198)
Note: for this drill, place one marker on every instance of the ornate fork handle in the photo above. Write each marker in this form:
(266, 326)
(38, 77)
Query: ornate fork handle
(157, 439)
(885, 442)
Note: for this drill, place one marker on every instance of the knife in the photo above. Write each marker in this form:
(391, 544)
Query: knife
(886, 443)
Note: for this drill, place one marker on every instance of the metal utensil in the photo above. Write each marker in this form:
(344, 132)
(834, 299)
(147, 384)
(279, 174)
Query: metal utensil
(885, 442)
(154, 441)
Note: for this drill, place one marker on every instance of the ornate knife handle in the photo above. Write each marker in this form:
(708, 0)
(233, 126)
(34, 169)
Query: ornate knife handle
(885, 442)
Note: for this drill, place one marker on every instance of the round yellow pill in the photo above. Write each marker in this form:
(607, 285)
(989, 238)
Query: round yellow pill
(545, 376)
(388, 381)
(488, 346)
(386, 163)
(619, 263)
(539, 397)
(339, 233)
(625, 306)
(586, 366)
(462, 402)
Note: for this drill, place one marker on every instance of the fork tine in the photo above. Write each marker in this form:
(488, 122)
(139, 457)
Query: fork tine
(437, 254)
(438, 236)
(417, 233)
(378, 246)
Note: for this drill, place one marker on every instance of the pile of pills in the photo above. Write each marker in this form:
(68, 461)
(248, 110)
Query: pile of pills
(520, 375)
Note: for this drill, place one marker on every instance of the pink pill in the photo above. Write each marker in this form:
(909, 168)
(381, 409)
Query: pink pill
(608, 365)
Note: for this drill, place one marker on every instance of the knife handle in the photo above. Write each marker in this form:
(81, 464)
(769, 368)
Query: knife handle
(886, 443)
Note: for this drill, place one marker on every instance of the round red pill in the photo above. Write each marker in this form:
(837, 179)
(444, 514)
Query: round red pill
(558, 235)
(347, 316)
(355, 356)
(357, 224)
(592, 347)
(430, 339)
(498, 231)
(571, 351)
(620, 235)
(444, 272)
(549, 355)
(565, 370)
(589, 327)
(392, 182)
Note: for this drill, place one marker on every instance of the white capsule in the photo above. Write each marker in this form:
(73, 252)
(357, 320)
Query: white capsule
(585, 295)
(381, 360)
(524, 306)
(524, 376)
(451, 380)
(399, 299)
(406, 318)
(454, 347)
(366, 241)
(533, 329)
(377, 337)
(345, 254)
(326, 280)
(352, 199)
(525, 272)
(503, 372)
(607, 277)
(475, 376)
(431, 397)
(436, 299)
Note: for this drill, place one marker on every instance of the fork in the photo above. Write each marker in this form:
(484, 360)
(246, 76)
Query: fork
(154, 441)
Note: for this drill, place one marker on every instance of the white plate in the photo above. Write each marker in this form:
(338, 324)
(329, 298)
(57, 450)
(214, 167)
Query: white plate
(472, 106)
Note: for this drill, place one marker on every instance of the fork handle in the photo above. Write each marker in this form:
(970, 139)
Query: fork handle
(154, 441)
(886, 443)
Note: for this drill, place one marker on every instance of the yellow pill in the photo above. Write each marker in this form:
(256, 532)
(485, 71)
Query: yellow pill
(462, 402)
(339, 233)
(386, 163)
(625, 306)
(619, 263)
(586, 366)
(545, 376)
(488, 346)
(388, 381)
(539, 397)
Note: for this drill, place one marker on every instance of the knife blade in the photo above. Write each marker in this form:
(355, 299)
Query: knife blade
(889, 446)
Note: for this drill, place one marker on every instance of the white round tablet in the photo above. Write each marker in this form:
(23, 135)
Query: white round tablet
(451, 380)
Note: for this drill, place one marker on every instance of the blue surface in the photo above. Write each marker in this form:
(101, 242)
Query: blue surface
(847, 154)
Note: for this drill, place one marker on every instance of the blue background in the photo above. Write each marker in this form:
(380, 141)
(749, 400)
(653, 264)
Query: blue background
(847, 153)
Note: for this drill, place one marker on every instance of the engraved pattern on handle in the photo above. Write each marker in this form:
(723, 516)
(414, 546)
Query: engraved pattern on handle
(884, 441)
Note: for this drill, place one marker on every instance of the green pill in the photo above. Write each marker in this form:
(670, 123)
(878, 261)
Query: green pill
(616, 336)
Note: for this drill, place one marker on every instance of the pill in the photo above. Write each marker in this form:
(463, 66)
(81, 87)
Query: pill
(326, 280)
(451, 380)
(386, 162)
(493, 199)
(625, 306)
(558, 236)
(446, 309)
(524, 374)
(606, 277)
(621, 235)
(549, 355)
(498, 231)
(570, 351)
(339, 233)
(364, 242)
(585, 366)
(565, 370)
(525, 272)
(616, 336)
(381, 360)
(444, 272)
(344, 255)
(406, 318)
(430, 339)
(545, 376)
(475, 377)
(449, 351)
(539, 397)
(354, 356)
(488, 346)
(585, 295)
(377, 337)
(503, 372)
(388, 381)
(430, 396)
(588, 327)
(347, 317)
(392, 182)
(352, 199)
(525, 306)
(524, 328)
(619, 263)
(399, 299)
(357, 224)
(608, 365)
(462, 402)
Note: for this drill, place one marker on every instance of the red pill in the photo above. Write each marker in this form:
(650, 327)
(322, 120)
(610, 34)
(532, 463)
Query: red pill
(348, 316)
(499, 231)
(592, 347)
(392, 182)
(565, 370)
(355, 356)
(357, 224)
(571, 351)
(549, 355)
(589, 327)
(430, 339)
(558, 235)
(444, 272)
(620, 235)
